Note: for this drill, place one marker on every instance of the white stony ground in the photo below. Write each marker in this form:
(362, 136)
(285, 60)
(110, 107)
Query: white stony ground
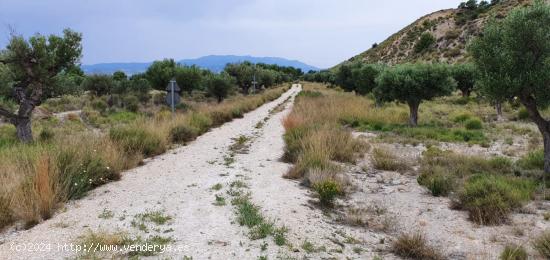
(411, 209)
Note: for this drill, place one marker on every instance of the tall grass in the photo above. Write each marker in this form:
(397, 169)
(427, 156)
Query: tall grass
(315, 138)
(36, 178)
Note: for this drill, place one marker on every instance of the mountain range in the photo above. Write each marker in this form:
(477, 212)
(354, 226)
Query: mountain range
(215, 63)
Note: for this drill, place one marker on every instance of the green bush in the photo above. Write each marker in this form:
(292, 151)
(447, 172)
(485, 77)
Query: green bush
(532, 161)
(490, 198)
(523, 114)
(542, 244)
(426, 41)
(137, 140)
(473, 124)
(183, 133)
(514, 252)
(462, 118)
(327, 190)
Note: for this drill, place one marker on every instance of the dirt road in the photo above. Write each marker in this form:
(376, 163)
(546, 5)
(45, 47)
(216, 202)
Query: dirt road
(179, 185)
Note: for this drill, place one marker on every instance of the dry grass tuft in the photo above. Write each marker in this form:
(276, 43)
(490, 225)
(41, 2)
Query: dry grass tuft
(383, 159)
(415, 246)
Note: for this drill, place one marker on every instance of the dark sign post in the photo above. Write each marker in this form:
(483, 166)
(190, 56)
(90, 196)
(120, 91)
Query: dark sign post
(254, 82)
(173, 97)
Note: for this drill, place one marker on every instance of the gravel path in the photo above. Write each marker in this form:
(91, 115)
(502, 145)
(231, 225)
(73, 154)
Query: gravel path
(179, 184)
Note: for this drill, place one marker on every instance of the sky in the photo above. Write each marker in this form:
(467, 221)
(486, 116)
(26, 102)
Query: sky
(321, 33)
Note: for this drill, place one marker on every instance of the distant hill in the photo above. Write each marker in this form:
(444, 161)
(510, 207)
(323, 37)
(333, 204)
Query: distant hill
(451, 30)
(214, 63)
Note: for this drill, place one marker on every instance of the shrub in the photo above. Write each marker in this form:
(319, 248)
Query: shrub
(327, 190)
(415, 246)
(462, 118)
(425, 42)
(532, 161)
(542, 244)
(137, 140)
(523, 114)
(384, 160)
(514, 252)
(131, 103)
(489, 198)
(442, 172)
(473, 124)
(99, 105)
(183, 133)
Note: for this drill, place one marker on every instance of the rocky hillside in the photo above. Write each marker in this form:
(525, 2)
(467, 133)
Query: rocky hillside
(440, 36)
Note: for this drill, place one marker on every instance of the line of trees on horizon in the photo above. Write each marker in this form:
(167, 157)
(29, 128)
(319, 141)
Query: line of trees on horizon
(41, 67)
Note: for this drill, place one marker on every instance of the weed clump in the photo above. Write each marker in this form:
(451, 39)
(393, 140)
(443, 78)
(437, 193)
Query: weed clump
(489, 199)
(473, 124)
(542, 244)
(384, 160)
(137, 140)
(182, 134)
(327, 191)
(532, 161)
(415, 246)
(514, 252)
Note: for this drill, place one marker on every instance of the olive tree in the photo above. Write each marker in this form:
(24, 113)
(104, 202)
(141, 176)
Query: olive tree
(160, 73)
(99, 84)
(243, 74)
(365, 78)
(465, 76)
(188, 77)
(513, 59)
(412, 84)
(219, 86)
(34, 63)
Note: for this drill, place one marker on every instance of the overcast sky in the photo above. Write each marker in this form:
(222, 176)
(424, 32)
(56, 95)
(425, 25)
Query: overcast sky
(318, 32)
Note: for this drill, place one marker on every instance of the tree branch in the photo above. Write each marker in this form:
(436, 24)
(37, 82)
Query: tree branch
(8, 114)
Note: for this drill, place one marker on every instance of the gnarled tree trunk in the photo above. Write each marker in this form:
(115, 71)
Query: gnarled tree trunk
(413, 113)
(546, 138)
(543, 125)
(498, 107)
(24, 129)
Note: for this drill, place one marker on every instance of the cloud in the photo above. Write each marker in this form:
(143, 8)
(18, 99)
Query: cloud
(322, 33)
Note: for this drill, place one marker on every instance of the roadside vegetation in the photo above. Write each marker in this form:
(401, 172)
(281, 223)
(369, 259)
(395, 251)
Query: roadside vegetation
(104, 124)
